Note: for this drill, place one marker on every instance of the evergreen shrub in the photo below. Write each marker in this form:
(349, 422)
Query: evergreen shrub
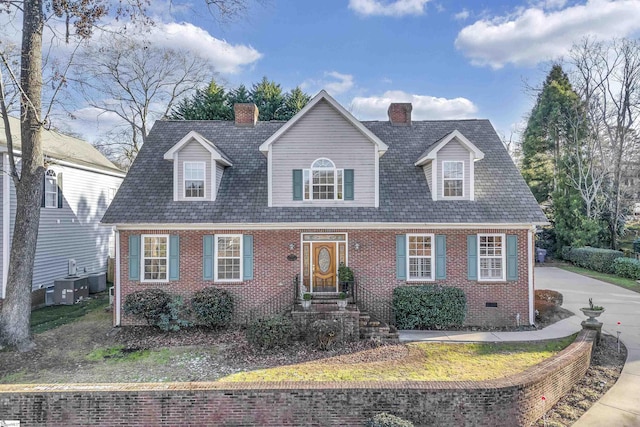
(627, 267)
(266, 334)
(596, 259)
(429, 307)
(213, 307)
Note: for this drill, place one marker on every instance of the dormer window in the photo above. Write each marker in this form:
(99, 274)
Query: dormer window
(452, 179)
(323, 181)
(194, 179)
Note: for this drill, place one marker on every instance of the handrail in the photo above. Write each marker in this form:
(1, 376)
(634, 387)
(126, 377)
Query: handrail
(276, 304)
(379, 308)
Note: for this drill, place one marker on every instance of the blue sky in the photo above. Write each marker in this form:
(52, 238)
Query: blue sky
(451, 59)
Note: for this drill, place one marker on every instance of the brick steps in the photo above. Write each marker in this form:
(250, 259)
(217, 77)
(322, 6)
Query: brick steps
(377, 330)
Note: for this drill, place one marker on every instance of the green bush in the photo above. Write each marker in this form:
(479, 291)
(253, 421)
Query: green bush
(270, 333)
(564, 252)
(627, 267)
(157, 308)
(384, 419)
(594, 258)
(213, 307)
(427, 307)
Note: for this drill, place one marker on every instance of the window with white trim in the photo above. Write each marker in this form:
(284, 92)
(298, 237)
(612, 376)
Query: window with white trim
(50, 189)
(491, 257)
(420, 256)
(194, 178)
(228, 258)
(323, 181)
(452, 179)
(155, 258)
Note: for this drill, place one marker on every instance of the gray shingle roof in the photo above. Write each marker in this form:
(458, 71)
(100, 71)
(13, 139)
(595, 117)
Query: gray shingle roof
(146, 195)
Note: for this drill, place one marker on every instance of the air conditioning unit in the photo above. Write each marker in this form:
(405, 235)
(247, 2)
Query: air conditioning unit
(72, 267)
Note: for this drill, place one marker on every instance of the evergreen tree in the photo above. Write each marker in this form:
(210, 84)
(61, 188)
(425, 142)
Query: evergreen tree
(239, 95)
(206, 104)
(268, 97)
(294, 101)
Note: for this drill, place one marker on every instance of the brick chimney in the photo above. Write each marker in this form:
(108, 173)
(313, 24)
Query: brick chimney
(245, 114)
(400, 113)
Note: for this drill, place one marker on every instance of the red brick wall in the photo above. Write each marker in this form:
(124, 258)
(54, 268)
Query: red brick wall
(511, 401)
(374, 265)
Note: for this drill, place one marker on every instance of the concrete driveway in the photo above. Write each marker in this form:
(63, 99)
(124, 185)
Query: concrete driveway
(620, 407)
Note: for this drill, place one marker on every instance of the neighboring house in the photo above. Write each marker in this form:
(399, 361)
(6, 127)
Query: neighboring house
(249, 206)
(79, 185)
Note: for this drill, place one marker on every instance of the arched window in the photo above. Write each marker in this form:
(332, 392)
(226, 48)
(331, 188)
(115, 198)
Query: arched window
(50, 189)
(323, 181)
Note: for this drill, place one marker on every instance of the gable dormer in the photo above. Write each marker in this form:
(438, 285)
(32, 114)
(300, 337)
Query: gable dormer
(448, 166)
(198, 166)
(323, 157)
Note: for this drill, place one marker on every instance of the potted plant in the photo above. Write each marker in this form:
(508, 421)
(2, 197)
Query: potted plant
(592, 311)
(345, 276)
(306, 301)
(342, 301)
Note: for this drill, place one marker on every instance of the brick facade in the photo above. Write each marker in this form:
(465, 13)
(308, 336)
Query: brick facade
(374, 265)
(511, 401)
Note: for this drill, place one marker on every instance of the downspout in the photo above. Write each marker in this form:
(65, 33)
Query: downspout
(117, 294)
(6, 223)
(530, 266)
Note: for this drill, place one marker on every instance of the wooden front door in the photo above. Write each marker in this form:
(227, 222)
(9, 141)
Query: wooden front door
(324, 271)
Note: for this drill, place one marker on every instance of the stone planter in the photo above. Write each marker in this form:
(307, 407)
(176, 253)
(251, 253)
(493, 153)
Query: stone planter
(591, 314)
(306, 305)
(342, 304)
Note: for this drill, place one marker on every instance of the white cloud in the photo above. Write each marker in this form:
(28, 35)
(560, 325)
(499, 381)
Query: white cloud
(462, 15)
(424, 107)
(333, 82)
(536, 34)
(386, 8)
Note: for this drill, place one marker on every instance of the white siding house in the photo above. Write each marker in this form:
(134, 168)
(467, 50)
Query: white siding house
(79, 186)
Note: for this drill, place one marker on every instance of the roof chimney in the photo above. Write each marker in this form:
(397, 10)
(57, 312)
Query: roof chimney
(400, 113)
(245, 114)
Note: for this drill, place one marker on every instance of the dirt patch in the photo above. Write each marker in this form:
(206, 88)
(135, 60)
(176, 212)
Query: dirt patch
(606, 365)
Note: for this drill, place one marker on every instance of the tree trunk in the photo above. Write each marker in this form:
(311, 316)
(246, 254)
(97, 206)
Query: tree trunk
(16, 309)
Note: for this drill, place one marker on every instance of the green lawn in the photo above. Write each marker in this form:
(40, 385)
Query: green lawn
(424, 362)
(623, 282)
(44, 319)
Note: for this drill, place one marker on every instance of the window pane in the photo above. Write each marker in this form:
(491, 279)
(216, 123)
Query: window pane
(340, 185)
(229, 269)
(420, 268)
(155, 258)
(453, 188)
(306, 184)
(229, 246)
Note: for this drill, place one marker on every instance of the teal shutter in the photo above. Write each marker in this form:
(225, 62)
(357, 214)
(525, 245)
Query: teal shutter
(297, 184)
(472, 257)
(348, 184)
(207, 257)
(512, 257)
(441, 256)
(247, 257)
(174, 257)
(401, 256)
(134, 257)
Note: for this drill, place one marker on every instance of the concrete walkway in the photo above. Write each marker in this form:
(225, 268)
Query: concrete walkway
(620, 406)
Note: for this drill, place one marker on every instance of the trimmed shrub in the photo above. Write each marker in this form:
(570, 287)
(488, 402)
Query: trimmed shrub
(429, 307)
(384, 419)
(157, 308)
(213, 307)
(594, 258)
(564, 252)
(270, 333)
(627, 267)
(323, 334)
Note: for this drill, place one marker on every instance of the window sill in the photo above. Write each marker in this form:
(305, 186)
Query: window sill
(228, 282)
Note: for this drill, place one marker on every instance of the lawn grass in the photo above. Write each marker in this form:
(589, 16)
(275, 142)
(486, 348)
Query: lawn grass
(47, 318)
(424, 362)
(623, 282)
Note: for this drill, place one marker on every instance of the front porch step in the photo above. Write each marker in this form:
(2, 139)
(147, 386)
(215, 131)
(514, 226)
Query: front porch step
(371, 328)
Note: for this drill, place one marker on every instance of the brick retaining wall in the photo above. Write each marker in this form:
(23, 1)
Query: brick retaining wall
(511, 401)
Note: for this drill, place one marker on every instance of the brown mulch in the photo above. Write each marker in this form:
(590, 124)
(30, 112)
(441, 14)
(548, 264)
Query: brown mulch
(606, 365)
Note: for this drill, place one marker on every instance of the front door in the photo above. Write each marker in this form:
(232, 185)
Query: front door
(324, 269)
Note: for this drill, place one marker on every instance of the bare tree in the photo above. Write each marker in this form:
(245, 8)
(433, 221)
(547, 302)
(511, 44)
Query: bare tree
(79, 18)
(608, 79)
(138, 82)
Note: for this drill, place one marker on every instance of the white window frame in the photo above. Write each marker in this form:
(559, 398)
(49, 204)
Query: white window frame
(215, 259)
(142, 258)
(431, 278)
(184, 180)
(55, 181)
(451, 179)
(503, 257)
(307, 181)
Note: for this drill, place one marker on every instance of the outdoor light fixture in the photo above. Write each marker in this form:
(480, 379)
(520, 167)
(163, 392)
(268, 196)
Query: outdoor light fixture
(292, 246)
